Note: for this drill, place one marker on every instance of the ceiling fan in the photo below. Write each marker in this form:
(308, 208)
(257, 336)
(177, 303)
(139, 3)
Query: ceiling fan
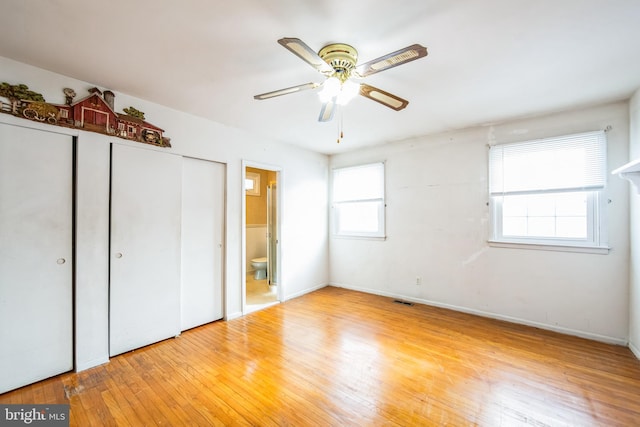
(338, 62)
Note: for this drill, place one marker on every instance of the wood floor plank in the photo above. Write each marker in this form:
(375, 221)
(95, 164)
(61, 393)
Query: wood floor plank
(339, 357)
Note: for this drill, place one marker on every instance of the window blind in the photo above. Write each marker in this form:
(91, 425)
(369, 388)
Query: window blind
(568, 163)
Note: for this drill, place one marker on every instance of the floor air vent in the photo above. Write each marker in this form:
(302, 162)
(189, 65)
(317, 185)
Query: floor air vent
(397, 301)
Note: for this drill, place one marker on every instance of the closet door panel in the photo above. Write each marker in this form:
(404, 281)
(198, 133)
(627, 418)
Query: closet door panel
(36, 264)
(144, 293)
(202, 242)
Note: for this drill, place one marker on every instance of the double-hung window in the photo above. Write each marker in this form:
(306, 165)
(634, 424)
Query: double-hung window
(358, 201)
(549, 191)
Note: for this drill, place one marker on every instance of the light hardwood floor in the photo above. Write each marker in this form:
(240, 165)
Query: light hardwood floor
(344, 358)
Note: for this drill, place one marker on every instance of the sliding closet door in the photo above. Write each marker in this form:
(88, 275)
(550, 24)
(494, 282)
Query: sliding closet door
(202, 238)
(36, 264)
(144, 293)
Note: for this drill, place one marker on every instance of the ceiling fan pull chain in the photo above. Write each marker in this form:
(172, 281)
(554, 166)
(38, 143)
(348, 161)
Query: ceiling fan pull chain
(340, 127)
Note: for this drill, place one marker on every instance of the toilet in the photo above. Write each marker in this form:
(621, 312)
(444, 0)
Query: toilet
(259, 267)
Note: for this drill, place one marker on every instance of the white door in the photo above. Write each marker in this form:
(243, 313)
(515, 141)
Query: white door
(36, 265)
(144, 292)
(202, 237)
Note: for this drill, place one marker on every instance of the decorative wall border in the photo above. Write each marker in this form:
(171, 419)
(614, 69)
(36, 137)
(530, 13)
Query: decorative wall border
(94, 113)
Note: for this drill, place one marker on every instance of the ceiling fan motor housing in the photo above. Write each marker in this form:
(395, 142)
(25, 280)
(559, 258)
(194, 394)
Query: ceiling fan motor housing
(341, 57)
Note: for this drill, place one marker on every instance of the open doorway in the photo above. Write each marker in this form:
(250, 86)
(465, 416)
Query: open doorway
(262, 286)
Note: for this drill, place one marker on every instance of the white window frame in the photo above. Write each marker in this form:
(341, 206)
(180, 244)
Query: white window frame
(338, 205)
(596, 239)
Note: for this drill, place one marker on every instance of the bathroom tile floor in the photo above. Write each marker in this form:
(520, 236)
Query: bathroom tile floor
(259, 292)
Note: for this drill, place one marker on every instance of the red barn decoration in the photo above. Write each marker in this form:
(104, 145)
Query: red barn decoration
(95, 113)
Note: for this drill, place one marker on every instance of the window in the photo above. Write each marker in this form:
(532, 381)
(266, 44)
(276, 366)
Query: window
(358, 201)
(252, 184)
(549, 192)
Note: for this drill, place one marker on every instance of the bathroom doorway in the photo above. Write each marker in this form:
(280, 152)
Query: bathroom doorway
(262, 286)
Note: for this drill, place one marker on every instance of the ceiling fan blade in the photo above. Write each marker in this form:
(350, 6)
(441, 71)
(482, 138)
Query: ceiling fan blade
(308, 55)
(327, 110)
(383, 97)
(399, 57)
(292, 89)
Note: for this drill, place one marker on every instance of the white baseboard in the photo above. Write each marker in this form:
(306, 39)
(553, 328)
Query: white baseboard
(635, 350)
(555, 328)
(306, 291)
(234, 315)
(91, 363)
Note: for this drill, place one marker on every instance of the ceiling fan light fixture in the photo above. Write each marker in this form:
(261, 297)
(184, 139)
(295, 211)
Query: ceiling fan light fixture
(342, 91)
(330, 89)
(348, 91)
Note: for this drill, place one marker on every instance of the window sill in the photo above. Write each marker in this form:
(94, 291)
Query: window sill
(600, 250)
(356, 237)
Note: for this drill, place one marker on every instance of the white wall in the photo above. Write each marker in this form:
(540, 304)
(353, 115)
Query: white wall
(634, 294)
(304, 249)
(438, 226)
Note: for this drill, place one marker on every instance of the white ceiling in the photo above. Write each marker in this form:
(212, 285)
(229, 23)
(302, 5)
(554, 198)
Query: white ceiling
(489, 60)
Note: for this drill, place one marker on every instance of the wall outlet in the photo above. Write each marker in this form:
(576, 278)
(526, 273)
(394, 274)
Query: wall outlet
(418, 280)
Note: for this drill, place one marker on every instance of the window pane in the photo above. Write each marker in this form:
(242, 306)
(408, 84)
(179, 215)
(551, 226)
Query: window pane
(541, 205)
(541, 226)
(549, 215)
(359, 217)
(514, 206)
(514, 226)
(571, 227)
(571, 204)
